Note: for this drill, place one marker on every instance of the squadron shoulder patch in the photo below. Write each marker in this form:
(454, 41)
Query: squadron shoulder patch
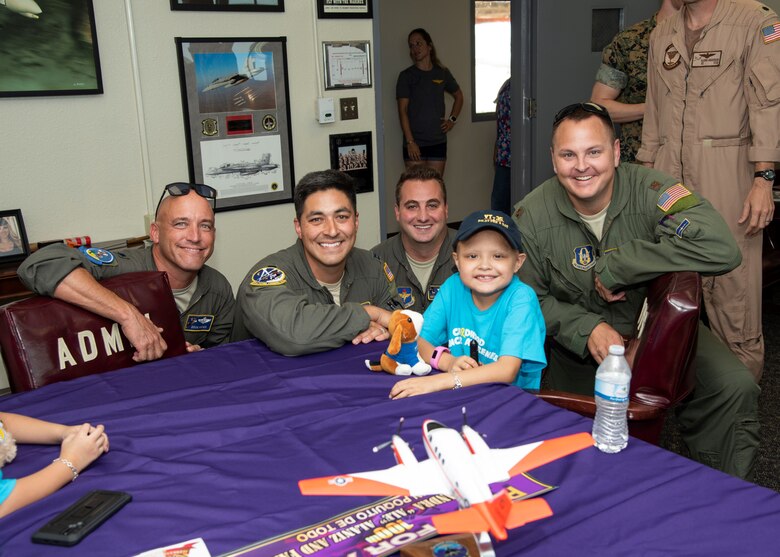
(388, 273)
(672, 57)
(583, 258)
(676, 198)
(406, 296)
(268, 276)
(198, 323)
(771, 33)
(98, 256)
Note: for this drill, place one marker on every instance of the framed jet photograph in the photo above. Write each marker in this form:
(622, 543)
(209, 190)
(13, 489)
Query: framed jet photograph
(352, 153)
(229, 5)
(48, 47)
(236, 108)
(13, 238)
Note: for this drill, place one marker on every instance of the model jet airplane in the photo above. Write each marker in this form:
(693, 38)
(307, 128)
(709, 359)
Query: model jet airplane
(263, 165)
(461, 466)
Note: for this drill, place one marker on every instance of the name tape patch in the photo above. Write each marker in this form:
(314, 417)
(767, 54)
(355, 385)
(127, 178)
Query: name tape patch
(198, 323)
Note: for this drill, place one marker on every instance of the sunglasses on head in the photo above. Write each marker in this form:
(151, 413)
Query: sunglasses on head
(589, 107)
(177, 189)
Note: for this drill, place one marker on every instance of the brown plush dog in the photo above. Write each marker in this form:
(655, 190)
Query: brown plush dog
(401, 356)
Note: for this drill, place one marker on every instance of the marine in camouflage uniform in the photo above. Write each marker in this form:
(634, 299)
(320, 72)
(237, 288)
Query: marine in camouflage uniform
(624, 68)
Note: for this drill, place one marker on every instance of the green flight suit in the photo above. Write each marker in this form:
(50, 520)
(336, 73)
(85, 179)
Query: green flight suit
(648, 231)
(411, 293)
(213, 298)
(282, 304)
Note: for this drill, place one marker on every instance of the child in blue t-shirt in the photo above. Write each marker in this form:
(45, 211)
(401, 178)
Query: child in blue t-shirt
(484, 325)
(80, 445)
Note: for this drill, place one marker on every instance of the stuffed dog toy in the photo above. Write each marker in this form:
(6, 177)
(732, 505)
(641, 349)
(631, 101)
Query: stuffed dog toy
(402, 356)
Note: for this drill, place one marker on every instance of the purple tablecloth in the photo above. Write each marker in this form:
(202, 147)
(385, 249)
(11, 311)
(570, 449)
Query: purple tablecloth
(212, 445)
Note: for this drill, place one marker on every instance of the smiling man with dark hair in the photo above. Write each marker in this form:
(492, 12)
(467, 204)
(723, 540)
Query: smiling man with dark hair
(322, 291)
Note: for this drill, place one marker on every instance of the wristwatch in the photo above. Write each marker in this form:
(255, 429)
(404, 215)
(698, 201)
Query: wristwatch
(768, 175)
(438, 352)
(453, 119)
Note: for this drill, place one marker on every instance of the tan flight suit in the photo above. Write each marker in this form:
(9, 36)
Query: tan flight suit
(708, 118)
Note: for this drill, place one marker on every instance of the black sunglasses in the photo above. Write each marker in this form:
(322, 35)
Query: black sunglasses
(589, 107)
(177, 189)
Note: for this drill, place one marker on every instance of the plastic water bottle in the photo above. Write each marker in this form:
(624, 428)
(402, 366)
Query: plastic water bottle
(613, 378)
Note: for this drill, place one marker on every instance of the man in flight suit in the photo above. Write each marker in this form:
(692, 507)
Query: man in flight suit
(321, 292)
(420, 255)
(713, 120)
(182, 237)
(593, 235)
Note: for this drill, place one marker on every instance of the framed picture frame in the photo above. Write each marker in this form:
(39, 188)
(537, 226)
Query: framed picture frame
(229, 5)
(347, 64)
(236, 107)
(338, 9)
(52, 51)
(13, 237)
(353, 153)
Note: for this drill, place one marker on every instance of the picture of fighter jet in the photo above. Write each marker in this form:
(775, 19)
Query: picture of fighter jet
(463, 467)
(263, 165)
(26, 8)
(231, 80)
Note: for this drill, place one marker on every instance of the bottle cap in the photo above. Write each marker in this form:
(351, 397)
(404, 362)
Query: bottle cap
(617, 349)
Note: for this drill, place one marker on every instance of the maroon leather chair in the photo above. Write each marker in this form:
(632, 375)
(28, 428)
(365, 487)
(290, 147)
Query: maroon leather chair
(44, 340)
(660, 354)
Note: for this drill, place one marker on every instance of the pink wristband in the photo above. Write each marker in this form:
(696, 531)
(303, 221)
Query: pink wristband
(437, 354)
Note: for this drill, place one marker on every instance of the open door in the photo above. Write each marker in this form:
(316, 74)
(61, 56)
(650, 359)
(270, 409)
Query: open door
(554, 49)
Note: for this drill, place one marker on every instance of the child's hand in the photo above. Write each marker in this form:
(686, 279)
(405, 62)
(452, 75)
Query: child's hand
(83, 445)
(421, 385)
(462, 363)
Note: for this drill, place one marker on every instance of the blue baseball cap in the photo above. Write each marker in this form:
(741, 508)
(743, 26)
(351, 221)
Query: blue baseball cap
(494, 220)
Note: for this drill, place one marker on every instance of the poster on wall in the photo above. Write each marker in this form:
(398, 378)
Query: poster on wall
(236, 105)
(48, 47)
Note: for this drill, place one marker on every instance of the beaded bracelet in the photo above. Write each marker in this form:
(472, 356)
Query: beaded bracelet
(69, 464)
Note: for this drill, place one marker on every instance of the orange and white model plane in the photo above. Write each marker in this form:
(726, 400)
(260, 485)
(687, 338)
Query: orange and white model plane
(461, 466)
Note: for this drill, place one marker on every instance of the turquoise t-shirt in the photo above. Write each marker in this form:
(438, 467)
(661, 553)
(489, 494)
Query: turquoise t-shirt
(512, 326)
(6, 486)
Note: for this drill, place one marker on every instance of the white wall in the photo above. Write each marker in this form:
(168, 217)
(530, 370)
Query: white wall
(469, 170)
(82, 166)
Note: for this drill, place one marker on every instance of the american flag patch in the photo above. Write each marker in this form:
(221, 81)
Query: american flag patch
(771, 33)
(672, 196)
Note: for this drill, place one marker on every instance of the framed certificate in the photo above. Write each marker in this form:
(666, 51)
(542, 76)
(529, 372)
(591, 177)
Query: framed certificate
(347, 64)
(341, 9)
